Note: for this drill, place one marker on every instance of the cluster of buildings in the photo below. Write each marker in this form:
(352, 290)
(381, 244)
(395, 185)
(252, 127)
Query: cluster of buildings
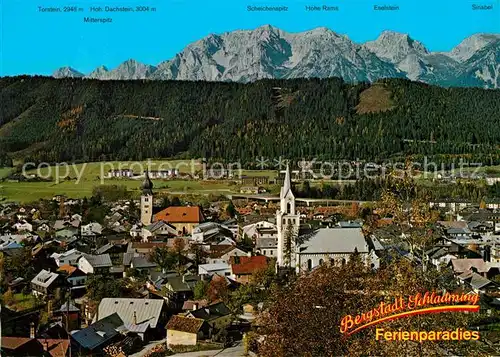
(155, 174)
(210, 253)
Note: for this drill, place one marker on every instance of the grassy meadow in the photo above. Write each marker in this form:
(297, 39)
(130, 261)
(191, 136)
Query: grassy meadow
(32, 191)
(5, 171)
(78, 180)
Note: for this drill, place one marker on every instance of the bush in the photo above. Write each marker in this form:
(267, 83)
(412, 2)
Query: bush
(195, 348)
(8, 298)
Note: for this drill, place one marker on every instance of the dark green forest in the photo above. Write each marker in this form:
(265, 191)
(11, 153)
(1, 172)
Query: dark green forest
(372, 189)
(55, 120)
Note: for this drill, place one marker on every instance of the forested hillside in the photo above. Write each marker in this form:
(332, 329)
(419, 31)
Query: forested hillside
(47, 119)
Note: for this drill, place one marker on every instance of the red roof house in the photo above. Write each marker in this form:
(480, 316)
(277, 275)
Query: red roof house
(243, 267)
(183, 218)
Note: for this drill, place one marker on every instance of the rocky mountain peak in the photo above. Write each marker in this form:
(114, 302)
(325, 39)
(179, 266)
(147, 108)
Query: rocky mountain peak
(395, 46)
(67, 72)
(268, 52)
(471, 45)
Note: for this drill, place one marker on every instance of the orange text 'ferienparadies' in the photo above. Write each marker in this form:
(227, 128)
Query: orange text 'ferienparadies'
(413, 305)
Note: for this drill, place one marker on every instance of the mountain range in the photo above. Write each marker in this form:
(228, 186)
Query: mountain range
(268, 52)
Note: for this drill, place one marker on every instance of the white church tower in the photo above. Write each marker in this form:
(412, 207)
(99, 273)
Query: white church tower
(288, 223)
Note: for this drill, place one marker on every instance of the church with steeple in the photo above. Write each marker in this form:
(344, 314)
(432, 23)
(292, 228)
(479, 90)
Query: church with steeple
(146, 200)
(305, 248)
(288, 224)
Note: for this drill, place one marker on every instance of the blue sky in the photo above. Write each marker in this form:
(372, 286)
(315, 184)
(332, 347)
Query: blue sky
(38, 43)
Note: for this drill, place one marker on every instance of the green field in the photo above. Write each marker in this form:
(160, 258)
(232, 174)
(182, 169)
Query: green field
(490, 170)
(95, 170)
(33, 191)
(5, 171)
(78, 180)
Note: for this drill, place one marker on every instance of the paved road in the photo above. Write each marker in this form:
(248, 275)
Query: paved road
(148, 348)
(236, 351)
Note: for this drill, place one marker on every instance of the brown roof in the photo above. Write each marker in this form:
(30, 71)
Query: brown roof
(67, 269)
(189, 304)
(247, 265)
(171, 242)
(217, 251)
(148, 245)
(13, 343)
(184, 324)
(264, 211)
(463, 265)
(324, 209)
(180, 214)
(56, 347)
(384, 222)
(71, 271)
(453, 224)
(244, 210)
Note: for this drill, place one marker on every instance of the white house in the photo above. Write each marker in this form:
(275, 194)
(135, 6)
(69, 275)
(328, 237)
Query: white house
(44, 227)
(91, 229)
(251, 230)
(136, 230)
(493, 204)
(495, 253)
(159, 228)
(162, 174)
(453, 205)
(439, 257)
(70, 257)
(267, 233)
(267, 247)
(95, 264)
(44, 283)
(71, 202)
(210, 231)
(23, 226)
(120, 173)
(76, 217)
(22, 214)
(222, 269)
(492, 180)
(459, 233)
(223, 256)
(266, 241)
(226, 241)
